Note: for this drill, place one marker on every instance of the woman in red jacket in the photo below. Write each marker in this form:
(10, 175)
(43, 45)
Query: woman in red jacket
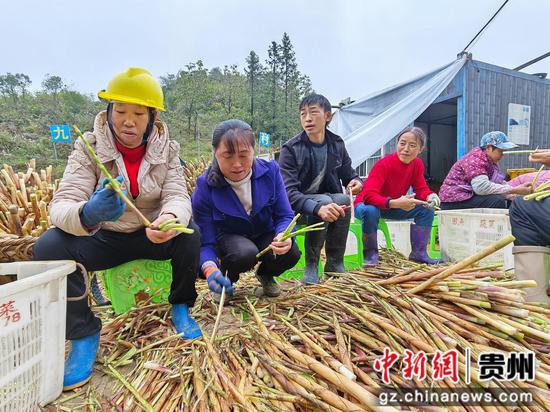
(385, 194)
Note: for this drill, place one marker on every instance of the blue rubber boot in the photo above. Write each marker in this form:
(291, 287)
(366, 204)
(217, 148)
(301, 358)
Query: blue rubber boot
(80, 362)
(185, 323)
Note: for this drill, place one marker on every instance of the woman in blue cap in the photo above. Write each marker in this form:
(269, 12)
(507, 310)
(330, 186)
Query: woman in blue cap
(476, 181)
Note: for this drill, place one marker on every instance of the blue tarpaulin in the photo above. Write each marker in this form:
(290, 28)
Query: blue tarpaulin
(369, 123)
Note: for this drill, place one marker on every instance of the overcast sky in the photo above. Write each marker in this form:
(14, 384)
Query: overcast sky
(348, 48)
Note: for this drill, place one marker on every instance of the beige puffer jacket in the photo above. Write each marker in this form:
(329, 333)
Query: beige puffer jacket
(161, 181)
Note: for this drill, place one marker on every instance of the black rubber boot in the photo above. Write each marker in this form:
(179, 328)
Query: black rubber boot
(335, 246)
(313, 245)
(269, 285)
(370, 249)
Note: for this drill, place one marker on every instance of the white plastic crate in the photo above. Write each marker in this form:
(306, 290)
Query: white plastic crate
(466, 231)
(400, 235)
(32, 333)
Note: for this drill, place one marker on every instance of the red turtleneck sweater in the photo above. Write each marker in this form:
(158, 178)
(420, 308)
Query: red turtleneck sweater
(132, 159)
(390, 177)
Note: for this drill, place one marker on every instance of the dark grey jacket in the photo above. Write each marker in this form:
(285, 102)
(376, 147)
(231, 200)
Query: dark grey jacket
(296, 160)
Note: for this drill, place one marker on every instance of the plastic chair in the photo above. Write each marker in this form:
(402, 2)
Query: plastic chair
(350, 261)
(124, 282)
(354, 263)
(300, 241)
(432, 251)
(356, 228)
(382, 225)
(357, 259)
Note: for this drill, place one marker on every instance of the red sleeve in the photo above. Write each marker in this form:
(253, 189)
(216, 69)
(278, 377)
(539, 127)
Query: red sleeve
(419, 184)
(373, 185)
(360, 197)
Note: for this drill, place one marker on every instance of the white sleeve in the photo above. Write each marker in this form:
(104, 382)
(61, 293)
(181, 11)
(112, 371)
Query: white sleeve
(482, 186)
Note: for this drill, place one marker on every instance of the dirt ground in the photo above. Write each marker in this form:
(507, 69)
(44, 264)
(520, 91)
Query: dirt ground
(102, 387)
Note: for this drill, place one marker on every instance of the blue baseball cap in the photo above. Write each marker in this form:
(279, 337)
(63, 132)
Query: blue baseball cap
(497, 139)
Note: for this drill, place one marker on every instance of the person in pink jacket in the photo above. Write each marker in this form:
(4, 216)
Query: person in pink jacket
(542, 177)
(527, 178)
(475, 180)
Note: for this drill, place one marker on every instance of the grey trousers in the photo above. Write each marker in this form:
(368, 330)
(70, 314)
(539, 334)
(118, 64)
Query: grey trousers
(337, 232)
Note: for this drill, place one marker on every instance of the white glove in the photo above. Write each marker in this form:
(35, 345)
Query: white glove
(433, 201)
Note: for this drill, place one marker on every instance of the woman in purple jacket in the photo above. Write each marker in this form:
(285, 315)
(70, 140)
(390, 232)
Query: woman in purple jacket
(241, 206)
(476, 181)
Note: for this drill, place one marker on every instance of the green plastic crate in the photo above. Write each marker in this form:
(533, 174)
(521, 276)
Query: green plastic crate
(351, 262)
(122, 283)
(297, 273)
(292, 274)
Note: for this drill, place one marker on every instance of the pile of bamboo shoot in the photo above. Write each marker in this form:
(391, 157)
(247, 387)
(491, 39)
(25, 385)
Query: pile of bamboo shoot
(193, 169)
(314, 347)
(24, 199)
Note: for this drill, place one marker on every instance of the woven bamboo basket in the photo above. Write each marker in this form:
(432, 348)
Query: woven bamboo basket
(16, 248)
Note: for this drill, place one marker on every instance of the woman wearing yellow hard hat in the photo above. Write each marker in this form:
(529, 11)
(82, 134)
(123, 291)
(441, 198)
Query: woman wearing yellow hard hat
(94, 228)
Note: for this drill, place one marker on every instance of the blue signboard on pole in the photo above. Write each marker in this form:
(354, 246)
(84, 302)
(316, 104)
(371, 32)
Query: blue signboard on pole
(60, 133)
(264, 138)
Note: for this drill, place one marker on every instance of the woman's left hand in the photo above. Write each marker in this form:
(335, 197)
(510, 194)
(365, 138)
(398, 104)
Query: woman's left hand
(281, 247)
(158, 236)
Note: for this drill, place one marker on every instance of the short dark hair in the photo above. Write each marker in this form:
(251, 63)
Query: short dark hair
(418, 133)
(232, 131)
(316, 99)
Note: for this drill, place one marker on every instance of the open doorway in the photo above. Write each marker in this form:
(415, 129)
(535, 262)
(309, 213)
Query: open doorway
(439, 123)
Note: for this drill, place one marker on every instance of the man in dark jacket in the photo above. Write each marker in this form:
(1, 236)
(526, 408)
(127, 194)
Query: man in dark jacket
(530, 220)
(315, 165)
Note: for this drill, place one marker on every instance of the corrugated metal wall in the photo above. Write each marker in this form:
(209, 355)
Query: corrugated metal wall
(489, 90)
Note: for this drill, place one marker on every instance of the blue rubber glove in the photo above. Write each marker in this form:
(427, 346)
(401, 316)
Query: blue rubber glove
(104, 205)
(216, 282)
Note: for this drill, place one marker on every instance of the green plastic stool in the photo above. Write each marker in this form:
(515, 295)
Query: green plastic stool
(297, 272)
(122, 283)
(432, 251)
(350, 262)
(356, 228)
(292, 274)
(357, 261)
(300, 241)
(383, 226)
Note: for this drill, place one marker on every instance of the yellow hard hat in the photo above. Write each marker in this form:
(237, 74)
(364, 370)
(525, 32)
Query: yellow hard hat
(137, 86)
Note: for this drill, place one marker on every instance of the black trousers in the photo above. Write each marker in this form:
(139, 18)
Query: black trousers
(106, 249)
(238, 254)
(530, 222)
(477, 201)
